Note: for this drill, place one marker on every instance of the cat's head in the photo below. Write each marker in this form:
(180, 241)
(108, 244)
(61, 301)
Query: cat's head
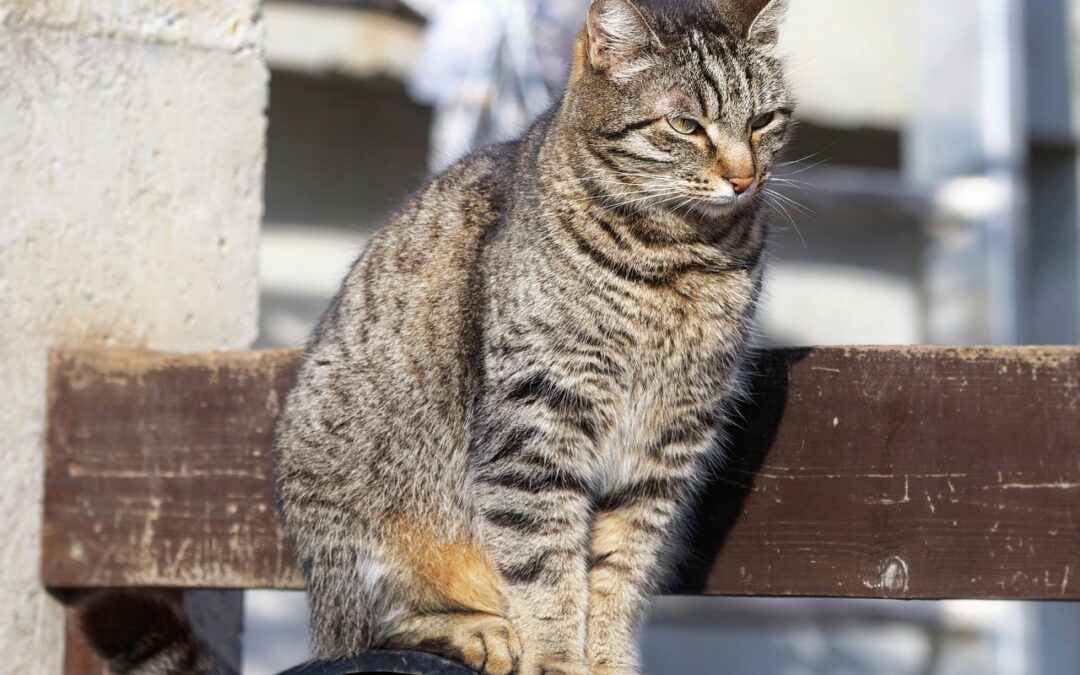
(683, 102)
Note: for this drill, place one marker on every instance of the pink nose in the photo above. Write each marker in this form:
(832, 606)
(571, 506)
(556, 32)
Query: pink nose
(741, 185)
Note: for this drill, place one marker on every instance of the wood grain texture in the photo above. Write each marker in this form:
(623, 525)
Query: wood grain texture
(901, 473)
(158, 470)
(868, 472)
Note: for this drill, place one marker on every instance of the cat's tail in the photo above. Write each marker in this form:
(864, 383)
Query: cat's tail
(142, 633)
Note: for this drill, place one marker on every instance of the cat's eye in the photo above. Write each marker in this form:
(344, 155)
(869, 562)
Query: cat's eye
(763, 120)
(684, 125)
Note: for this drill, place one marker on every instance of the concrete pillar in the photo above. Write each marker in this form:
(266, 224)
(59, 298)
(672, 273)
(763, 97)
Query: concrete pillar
(131, 160)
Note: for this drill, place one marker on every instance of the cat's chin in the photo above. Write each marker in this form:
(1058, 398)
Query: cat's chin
(720, 208)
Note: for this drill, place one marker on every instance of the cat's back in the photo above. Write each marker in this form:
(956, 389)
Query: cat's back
(393, 354)
(410, 283)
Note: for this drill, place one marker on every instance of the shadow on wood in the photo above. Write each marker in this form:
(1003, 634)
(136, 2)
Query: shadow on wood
(752, 436)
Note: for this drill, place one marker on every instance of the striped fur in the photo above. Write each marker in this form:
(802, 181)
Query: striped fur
(513, 397)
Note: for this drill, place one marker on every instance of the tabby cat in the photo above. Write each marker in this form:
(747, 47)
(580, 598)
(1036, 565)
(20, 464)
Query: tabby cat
(510, 403)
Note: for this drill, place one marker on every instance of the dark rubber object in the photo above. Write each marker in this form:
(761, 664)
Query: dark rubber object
(388, 662)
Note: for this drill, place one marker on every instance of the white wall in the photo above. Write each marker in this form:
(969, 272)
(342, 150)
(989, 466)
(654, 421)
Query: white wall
(131, 159)
(851, 61)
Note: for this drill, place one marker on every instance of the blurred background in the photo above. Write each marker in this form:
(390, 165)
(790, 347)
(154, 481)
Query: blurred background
(936, 203)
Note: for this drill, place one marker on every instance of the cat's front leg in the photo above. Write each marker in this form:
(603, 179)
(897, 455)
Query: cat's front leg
(632, 528)
(535, 512)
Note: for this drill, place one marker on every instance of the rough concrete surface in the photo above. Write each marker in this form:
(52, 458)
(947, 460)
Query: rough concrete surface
(213, 24)
(131, 159)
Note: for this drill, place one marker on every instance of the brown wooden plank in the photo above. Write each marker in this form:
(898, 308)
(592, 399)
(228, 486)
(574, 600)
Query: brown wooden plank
(869, 472)
(158, 470)
(901, 473)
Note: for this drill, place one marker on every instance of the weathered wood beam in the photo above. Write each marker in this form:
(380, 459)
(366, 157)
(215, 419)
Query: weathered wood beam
(158, 470)
(868, 472)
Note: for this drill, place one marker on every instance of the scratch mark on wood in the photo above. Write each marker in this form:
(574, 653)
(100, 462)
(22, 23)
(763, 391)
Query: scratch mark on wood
(891, 501)
(1057, 485)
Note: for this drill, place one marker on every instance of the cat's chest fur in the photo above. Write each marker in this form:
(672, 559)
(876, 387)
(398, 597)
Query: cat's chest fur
(682, 368)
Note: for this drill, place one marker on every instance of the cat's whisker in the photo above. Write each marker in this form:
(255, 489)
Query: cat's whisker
(609, 174)
(812, 155)
(591, 179)
(660, 186)
(688, 203)
(790, 181)
(785, 205)
(600, 178)
(614, 195)
(801, 160)
(664, 191)
(806, 64)
(612, 177)
(804, 169)
(803, 189)
(641, 199)
(778, 207)
(671, 199)
(801, 208)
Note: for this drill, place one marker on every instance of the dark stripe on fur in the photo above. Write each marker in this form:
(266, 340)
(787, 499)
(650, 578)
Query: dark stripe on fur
(654, 489)
(515, 520)
(536, 481)
(605, 562)
(626, 154)
(528, 572)
(629, 128)
(686, 435)
(539, 388)
(515, 441)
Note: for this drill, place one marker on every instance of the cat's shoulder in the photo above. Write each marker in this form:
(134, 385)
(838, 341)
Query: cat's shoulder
(468, 195)
(488, 167)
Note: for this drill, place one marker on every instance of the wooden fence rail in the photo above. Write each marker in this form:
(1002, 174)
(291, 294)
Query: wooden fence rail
(869, 472)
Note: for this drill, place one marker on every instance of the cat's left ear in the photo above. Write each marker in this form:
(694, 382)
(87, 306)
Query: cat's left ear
(763, 30)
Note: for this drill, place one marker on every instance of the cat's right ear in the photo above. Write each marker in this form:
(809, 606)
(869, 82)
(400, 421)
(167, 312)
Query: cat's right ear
(617, 33)
(763, 31)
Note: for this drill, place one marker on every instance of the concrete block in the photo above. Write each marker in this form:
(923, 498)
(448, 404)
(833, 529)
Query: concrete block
(131, 167)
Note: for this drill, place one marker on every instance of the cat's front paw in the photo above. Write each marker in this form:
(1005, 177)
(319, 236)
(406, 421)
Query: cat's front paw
(553, 666)
(614, 670)
(485, 643)
(488, 645)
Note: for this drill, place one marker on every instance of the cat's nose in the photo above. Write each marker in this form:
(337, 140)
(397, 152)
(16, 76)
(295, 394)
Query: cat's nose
(741, 185)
